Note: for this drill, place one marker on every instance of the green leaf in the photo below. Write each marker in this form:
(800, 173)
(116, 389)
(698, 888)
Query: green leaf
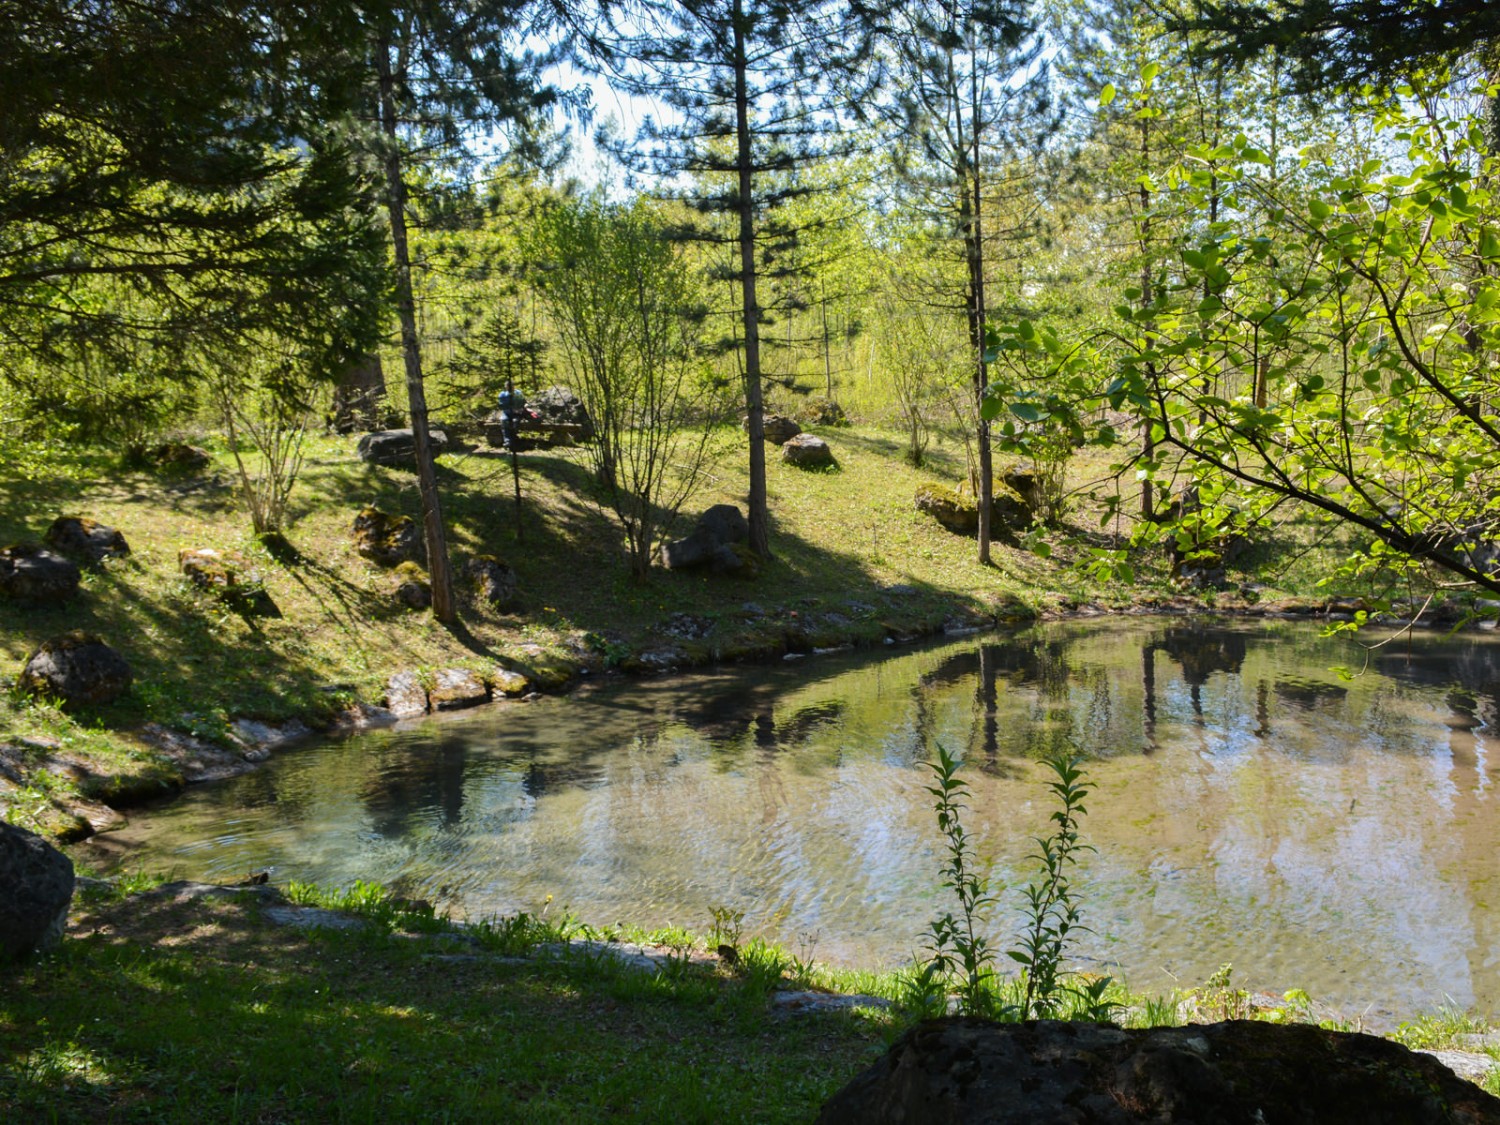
(1107, 94)
(1026, 412)
(1150, 71)
(1318, 209)
(1489, 244)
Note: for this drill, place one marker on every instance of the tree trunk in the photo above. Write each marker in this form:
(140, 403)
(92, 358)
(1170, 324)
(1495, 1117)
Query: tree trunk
(358, 395)
(438, 569)
(759, 518)
(973, 181)
(1148, 444)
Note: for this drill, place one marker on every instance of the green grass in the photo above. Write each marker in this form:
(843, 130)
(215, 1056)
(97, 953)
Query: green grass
(160, 1009)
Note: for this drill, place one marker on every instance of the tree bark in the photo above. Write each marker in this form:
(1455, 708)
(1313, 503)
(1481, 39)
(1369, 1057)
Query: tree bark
(438, 570)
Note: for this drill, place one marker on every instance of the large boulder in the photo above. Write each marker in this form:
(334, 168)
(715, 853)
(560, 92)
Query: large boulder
(456, 688)
(806, 452)
(177, 457)
(816, 410)
(1234, 1073)
(215, 570)
(34, 574)
(87, 540)
(77, 669)
(955, 511)
(387, 540)
(718, 532)
(1025, 481)
(959, 512)
(778, 428)
(494, 582)
(397, 448)
(37, 883)
(559, 406)
(405, 697)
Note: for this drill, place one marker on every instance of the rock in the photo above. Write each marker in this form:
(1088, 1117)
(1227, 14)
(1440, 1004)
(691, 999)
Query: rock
(778, 428)
(415, 593)
(1009, 511)
(87, 540)
(255, 735)
(559, 406)
(510, 683)
(397, 448)
(958, 513)
(1240, 1071)
(714, 536)
(38, 882)
(78, 669)
(494, 581)
(387, 540)
(211, 569)
(405, 697)
(1025, 482)
(177, 456)
(807, 452)
(819, 411)
(33, 574)
(457, 688)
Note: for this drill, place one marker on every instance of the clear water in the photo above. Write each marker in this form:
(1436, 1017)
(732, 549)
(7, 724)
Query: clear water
(1334, 835)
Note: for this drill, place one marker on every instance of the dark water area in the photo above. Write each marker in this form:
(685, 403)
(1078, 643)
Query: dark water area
(1336, 833)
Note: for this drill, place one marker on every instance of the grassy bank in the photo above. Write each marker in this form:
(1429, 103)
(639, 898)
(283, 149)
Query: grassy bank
(855, 564)
(168, 1007)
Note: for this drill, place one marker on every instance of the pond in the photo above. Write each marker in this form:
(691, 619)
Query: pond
(1332, 832)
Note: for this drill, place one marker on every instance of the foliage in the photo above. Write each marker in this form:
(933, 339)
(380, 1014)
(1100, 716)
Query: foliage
(960, 953)
(626, 304)
(1338, 354)
(1052, 906)
(958, 949)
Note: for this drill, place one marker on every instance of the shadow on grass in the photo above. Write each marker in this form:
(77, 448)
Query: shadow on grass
(349, 1026)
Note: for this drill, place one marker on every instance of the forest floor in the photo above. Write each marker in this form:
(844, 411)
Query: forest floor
(854, 564)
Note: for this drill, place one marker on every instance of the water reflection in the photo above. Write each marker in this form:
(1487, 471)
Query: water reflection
(1253, 806)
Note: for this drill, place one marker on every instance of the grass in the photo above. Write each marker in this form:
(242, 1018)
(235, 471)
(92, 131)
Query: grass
(161, 1008)
(375, 1026)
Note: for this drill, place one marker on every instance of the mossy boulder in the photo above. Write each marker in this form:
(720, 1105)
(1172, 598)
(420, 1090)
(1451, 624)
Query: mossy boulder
(414, 588)
(386, 540)
(454, 689)
(816, 410)
(86, 540)
(954, 510)
(495, 582)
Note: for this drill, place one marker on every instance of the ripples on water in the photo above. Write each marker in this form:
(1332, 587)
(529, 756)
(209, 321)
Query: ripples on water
(1330, 834)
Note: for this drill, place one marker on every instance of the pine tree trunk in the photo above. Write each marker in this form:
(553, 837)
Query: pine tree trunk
(973, 182)
(438, 570)
(759, 518)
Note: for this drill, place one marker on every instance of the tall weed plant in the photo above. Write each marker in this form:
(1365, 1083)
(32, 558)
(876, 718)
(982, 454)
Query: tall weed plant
(961, 959)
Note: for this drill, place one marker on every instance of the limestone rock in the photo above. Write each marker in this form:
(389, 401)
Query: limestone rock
(30, 573)
(494, 581)
(209, 568)
(177, 456)
(559, 406)
(510, 683)
(85, 539)
(778, 428)
(405, 697)
(77, 669)
(415, 593)
(712, 542)
(819, 411)
(1024, 480)
(958, 513)
(38, 886)
(386, 540)
(397, 448)
(806, 451)
(457, 688)
(1232, 1073)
